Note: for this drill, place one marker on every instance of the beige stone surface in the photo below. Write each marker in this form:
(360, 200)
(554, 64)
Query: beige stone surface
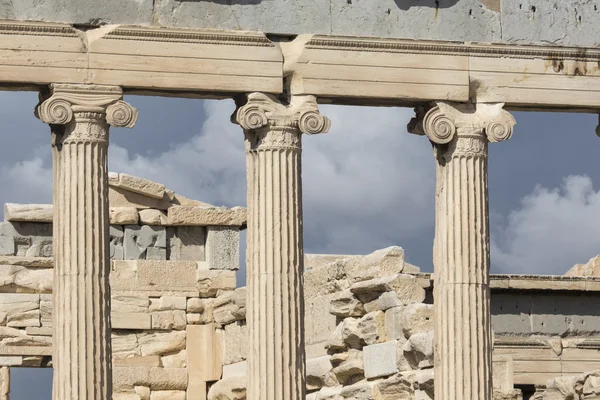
(223, 247)
(156, 378)
(204, 351)
(154, 275)
(591, 268)
(124, 215)
(233, 388)
(130, 321)
(230, 307)
(169, 320)
(28, 212)
(153, 217)
(202, 216)
(139, 185)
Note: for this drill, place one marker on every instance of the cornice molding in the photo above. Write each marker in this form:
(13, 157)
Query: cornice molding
(189, 36)
(36, 29)
(455, 49)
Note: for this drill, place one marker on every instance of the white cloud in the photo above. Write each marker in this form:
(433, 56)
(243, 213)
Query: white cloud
(27, 181)
(551, 231)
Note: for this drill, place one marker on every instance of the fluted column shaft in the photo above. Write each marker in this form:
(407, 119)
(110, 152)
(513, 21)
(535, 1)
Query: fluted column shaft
(463, 331)
(275, 259)
(80, 117)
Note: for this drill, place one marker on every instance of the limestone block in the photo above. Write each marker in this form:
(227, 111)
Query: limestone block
(371, 328)
(116, 236)
(345, 304)
(360, 391)
(380, 359)
(168, 303)
(325, 278)
(394, 328)
(383, 262)
(204, 350)
(210, 283)
(351, 336)
(328, 393)
(201, 216)
(38, 280)
(7, 246)
(514, 394)
(591, 268)
(147, 361)
(15, 305)
(417, 318)
(161, 343)
(154, 275)
(124, 345)
(186, 243)
(168, 320)
(502, 372)
(4, 382)
(46, 310)
(396, 387)
(34, 262)
(237, 369)
(196, 305)
(223, 247)
(17, 337)
(153, 377)
(175, 360)
(123, 215)
(168, 395)
(350, 370)
(418, 350)
(140, 185)
(143, 392)
(230, 389)
(28, 212)
(383, 302)
(150, 216)
(423, 384)
(139, 239)
(319, 373)
(318, 323)
(130, 320)
(130, 304)
(38, 331)
(125, 396)
(336, 341)
(24, 319)
(120, 197)
(235, 342)
(230, 307)
(11, 361)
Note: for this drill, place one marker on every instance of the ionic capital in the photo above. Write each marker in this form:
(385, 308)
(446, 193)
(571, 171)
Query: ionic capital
(261, 110)
(68, 102)
(441, 121)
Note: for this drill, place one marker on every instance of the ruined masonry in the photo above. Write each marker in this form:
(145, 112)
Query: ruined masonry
(463, 65)
(180, 324)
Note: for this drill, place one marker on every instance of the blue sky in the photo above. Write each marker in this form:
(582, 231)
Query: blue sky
(368, 184)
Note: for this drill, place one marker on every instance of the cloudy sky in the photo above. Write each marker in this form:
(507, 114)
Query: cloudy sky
(368, 184)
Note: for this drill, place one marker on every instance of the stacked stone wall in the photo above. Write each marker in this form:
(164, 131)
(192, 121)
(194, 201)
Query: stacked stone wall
(168, 265)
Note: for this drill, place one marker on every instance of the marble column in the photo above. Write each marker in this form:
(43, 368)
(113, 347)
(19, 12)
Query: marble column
(79, 117)
(275, 258)
(463, 333)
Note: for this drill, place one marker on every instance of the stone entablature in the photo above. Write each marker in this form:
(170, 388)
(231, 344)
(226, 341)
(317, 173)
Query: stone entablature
(340, 69)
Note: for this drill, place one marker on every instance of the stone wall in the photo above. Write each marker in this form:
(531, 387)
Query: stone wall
(369, 330)
(171, 258)
(568, 23)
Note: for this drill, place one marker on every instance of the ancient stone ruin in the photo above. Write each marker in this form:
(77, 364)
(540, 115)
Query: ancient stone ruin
(131, 292)
(178, 319)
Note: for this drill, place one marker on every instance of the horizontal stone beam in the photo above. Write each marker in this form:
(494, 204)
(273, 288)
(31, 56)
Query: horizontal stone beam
(339, 69)
(174, 215)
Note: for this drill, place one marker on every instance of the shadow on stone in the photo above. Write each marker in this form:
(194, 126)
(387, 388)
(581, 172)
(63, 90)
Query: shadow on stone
(407, 4)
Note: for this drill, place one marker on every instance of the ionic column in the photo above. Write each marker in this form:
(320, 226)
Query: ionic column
(79, 117)
(274, 258)
(463, 331)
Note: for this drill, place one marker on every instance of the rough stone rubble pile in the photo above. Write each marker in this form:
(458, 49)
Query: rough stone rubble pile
(171, 257)
(375, 341)
(579, 387)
